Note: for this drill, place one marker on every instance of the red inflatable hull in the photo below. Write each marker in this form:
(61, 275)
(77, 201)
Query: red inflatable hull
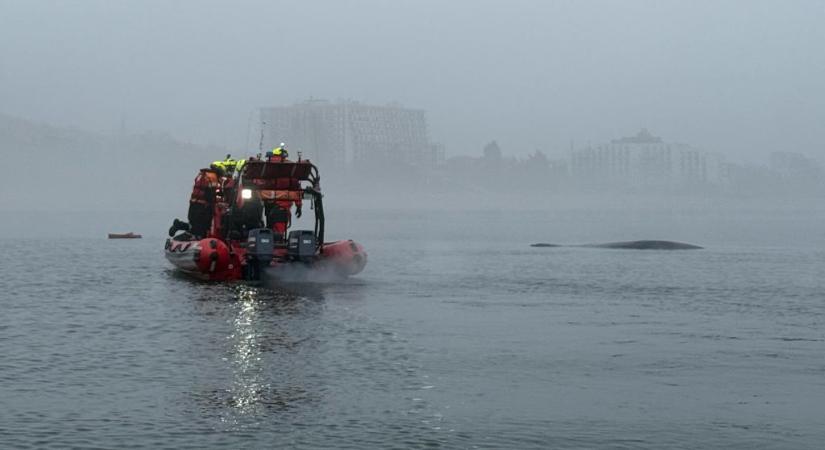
(217, 260)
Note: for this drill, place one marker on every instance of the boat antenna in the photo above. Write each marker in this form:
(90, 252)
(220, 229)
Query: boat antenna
(261, 143)
(248, 130)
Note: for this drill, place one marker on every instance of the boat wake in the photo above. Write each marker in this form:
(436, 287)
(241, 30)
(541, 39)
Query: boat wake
(299, 273)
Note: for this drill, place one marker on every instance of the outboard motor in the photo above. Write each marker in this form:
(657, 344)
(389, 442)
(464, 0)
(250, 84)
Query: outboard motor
(301, 245)
(259, 248)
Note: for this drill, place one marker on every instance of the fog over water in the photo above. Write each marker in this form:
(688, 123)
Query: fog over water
(125, 89)
(740, 77)
(563, 122)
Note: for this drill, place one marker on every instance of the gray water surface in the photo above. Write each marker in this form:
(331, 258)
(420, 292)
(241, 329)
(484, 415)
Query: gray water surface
(458, 335)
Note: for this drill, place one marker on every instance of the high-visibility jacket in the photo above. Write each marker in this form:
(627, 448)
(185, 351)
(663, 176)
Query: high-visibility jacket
(229, 165)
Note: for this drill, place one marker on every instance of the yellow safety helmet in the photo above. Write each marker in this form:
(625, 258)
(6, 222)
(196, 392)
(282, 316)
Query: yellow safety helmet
(280, 151)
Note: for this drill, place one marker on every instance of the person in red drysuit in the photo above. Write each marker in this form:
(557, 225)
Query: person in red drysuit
(202, 201)
(278, 215)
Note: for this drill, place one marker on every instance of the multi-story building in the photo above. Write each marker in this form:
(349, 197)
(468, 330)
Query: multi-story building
(645, 161)
(348, 133)
(796, 172)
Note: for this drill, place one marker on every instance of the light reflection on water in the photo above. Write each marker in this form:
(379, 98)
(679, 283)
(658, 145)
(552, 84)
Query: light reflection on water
(260, 355)
(247, 387)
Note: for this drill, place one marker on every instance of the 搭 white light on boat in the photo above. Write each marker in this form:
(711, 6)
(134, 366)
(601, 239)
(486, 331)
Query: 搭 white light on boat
(246, 194)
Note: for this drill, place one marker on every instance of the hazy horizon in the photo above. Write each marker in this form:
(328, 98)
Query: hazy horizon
(739, 78)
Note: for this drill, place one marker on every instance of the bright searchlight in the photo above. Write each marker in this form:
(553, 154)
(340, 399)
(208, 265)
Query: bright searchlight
(246, 194)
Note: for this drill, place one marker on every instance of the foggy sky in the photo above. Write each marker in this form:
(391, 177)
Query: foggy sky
(740, 77)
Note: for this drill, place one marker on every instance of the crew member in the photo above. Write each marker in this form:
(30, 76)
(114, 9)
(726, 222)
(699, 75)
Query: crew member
(278, 214)
(278, 154)
(229, 166)
(219, 167)
(202, 202)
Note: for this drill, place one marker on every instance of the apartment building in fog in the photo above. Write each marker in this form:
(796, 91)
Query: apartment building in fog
(351, 134)
(645, 162)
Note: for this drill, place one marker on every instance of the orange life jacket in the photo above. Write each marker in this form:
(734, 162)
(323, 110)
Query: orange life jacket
(203, 189)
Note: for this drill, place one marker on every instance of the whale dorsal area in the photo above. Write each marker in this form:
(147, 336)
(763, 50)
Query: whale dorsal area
(631, 245)
(647, 245)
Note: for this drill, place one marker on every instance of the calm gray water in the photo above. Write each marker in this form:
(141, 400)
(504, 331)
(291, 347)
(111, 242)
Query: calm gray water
(458, 335)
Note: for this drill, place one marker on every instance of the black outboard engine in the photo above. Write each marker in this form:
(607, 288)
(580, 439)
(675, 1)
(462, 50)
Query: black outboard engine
(259, 247)
(301, 245)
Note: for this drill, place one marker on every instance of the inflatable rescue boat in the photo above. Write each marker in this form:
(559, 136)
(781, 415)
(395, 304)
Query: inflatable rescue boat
(249, 236)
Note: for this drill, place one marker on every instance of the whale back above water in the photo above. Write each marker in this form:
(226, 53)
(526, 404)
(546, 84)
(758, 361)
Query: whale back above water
(631, 245)
(647, 245)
